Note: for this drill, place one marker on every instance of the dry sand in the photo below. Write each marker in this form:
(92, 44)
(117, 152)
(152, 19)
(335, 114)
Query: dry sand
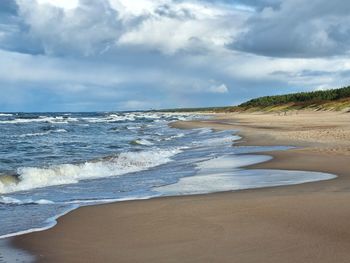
(300, 223)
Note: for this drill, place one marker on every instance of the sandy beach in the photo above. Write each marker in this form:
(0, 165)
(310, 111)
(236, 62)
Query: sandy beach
(300, 223)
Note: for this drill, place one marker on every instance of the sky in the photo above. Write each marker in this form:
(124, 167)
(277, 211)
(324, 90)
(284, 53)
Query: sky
(107, 55)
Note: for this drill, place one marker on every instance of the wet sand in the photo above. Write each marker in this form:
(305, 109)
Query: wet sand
(300, 223)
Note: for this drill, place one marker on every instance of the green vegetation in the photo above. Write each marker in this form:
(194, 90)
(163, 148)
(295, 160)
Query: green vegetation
(306, 98)
(332, 100)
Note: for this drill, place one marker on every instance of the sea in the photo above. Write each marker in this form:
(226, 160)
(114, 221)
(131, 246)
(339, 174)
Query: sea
(53, 163)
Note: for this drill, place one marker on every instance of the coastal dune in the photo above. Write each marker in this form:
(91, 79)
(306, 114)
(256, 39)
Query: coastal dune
(300, 223)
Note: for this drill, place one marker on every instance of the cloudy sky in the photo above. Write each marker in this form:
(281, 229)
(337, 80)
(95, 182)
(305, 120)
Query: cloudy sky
(99, 55)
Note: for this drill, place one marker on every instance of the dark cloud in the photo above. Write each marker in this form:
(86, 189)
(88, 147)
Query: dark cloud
(93, 27)
(318, 28)
(13, 30)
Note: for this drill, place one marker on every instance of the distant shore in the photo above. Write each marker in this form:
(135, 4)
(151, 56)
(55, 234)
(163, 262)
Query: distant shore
(300, 223)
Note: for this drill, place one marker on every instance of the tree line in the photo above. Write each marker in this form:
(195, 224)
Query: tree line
(301, 97)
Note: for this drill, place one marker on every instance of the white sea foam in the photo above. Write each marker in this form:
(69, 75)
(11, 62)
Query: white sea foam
(225, 163)
(109, 200)
(133, 127)
(180, 135)
(53, 120)
(136, 116)
(239, 180)
(148, 116)
(110, 118)
(219, 141)
(103, 119)
(14, 201)
(143, 142)
(60, 130)
(221, 174)
(127, 162)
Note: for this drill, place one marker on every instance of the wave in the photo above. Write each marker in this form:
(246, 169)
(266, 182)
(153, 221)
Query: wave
(8, 179)
(53, 120)
(31, 177)
(135, 116)
(142, 142)
(42, 133)
(110, 118)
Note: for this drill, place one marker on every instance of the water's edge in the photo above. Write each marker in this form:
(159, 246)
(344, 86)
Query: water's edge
(53, 221)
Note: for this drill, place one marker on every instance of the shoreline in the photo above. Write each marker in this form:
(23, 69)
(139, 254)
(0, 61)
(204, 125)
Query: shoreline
(317, 193)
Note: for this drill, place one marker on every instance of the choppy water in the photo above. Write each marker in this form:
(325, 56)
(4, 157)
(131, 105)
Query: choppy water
(51, 163)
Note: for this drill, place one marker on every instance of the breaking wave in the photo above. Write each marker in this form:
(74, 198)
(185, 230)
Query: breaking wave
(110, 118)
(53, 120)
(31, 177)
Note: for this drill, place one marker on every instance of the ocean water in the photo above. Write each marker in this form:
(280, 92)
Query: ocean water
(52, 163)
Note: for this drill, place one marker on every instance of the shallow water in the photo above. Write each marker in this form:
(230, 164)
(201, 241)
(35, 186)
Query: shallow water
(53, 163)
(10, 254)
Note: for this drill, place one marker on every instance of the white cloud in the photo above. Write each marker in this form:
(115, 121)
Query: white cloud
(68, 4)
(219, 89)
(94, 27)
(89, 29)
(186, 26)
